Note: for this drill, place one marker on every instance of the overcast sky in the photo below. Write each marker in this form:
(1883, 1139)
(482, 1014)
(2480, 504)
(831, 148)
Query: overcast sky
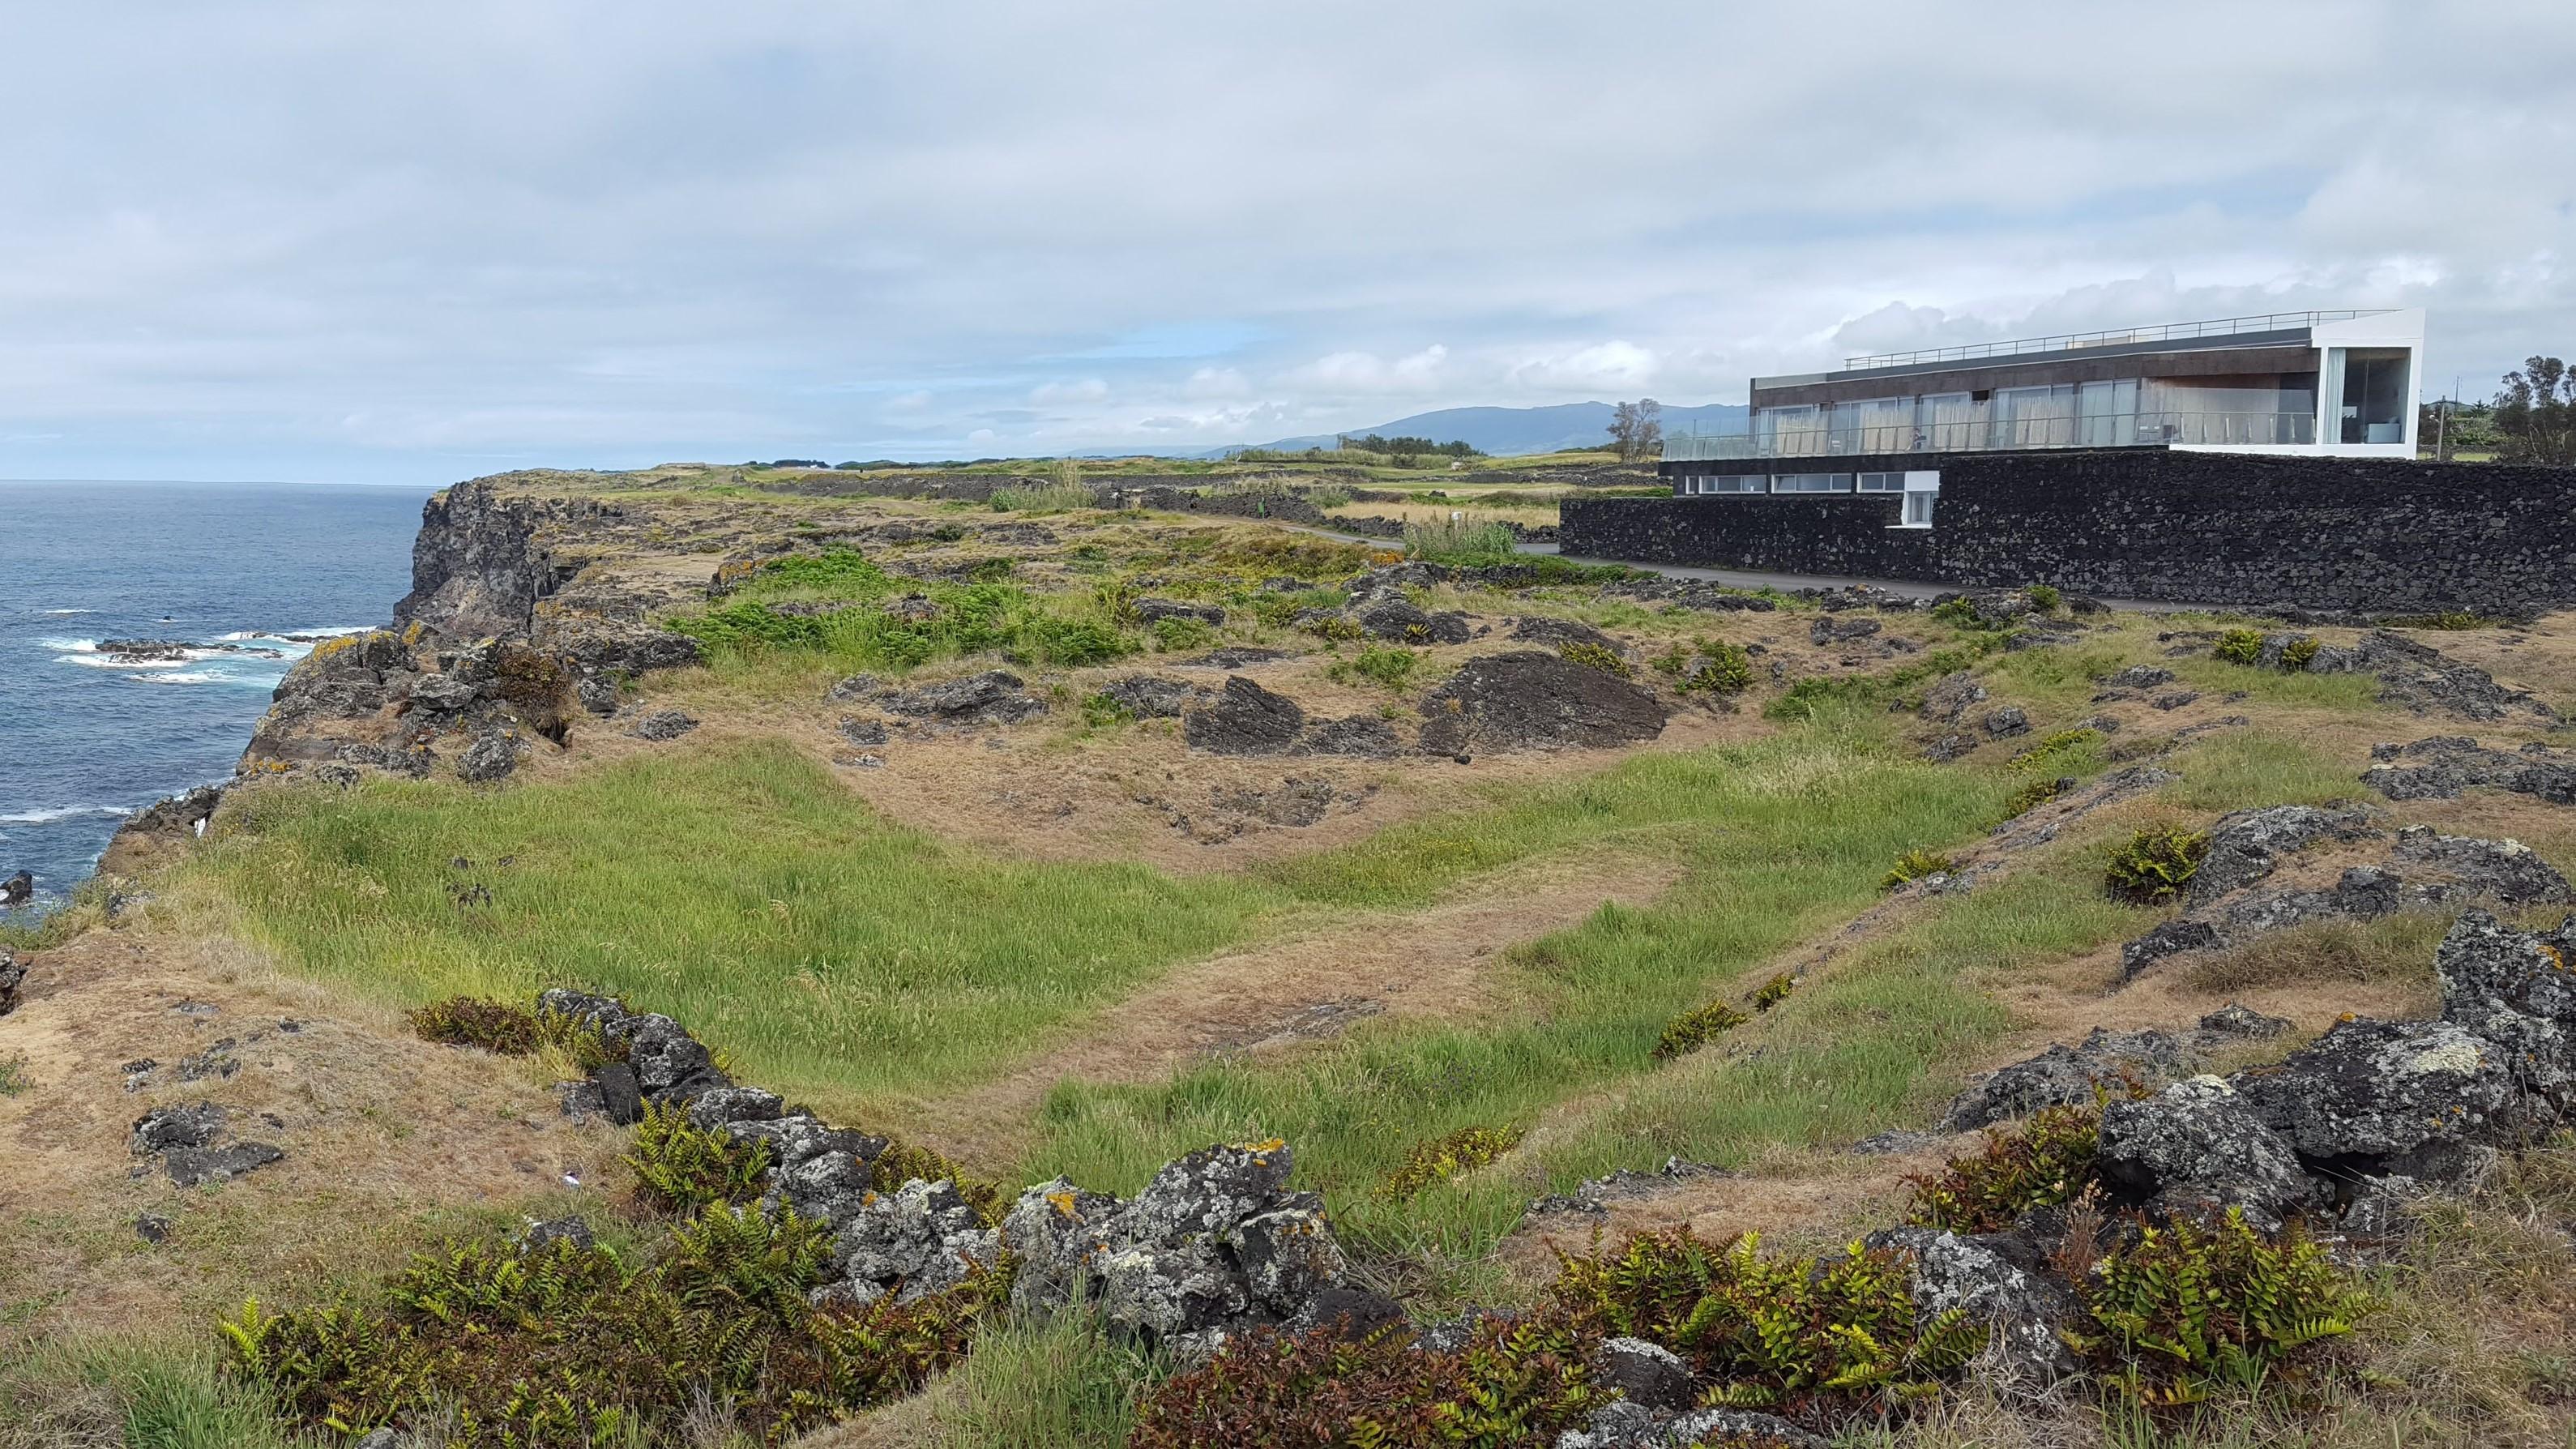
(388, 242)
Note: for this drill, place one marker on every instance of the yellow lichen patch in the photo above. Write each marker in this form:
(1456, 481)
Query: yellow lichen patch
(1062, 1202)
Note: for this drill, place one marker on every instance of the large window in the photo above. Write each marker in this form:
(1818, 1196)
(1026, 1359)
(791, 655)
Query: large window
(2374, 396)
(1811, 482)
(1882, 482)
(1876, 425)
(2035, 417)
(1726, 483)
(1797, 432)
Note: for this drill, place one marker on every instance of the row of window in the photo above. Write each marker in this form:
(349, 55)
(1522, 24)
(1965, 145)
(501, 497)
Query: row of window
(1794, 483)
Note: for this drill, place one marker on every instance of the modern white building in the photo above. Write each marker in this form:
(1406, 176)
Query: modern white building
(2312, 384)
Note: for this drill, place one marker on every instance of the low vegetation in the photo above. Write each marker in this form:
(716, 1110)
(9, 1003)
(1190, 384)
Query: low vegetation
(1915, 865)
(1698, 1027)
(2156, 865)
(1444, 1158)
(2192, 1310)
(567, 1343)
(2047, 1160)
(681, 1168)
(1461, 541)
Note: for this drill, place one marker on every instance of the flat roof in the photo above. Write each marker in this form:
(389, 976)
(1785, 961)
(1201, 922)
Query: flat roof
(2270, 329)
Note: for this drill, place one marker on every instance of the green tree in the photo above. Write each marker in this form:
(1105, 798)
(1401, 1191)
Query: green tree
(1637, 429)
(2535, 414)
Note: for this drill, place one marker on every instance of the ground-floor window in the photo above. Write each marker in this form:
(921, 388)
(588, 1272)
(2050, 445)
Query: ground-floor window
(1811, 482)
(1882, 482)
(1918, 509)
(1726, 483)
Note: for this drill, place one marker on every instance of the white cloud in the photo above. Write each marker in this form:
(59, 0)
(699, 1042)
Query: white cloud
(621, 232)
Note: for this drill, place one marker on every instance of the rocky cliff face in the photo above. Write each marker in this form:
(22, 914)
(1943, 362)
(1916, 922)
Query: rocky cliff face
(485, 558)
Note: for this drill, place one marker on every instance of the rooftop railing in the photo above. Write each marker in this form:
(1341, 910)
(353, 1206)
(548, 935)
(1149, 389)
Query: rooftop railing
(2069, 341)
(2117, 430)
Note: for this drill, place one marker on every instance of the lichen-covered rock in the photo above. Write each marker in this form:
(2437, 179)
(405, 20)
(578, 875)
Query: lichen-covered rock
(2167, 939)
(2441, 767)
(490, 757)
(2425, 680)
(1246, 719)
(193, 1124)
(2518, 992)
(1150, 612)
(2197, 1146)
(2409, 1097)
(799, 1137)
(1056, 1231)
(2250, 844)
(2021, 1311)
(1644, 1373)
(920, 1239)
(834, 1187)
(198, 1166)
(2238, 1020)
(1536, 700)
(668, 1062)
(2502, 870)
(1210, 1190)
(2064, 1076)
(714, 1108)
(2138, 676)
(1180, 1293)
(1947, 700)
(543, 1234)
(1557, 633)
(1622, 1424)
(1828, 630)
(1286, 1257)
(664, 725)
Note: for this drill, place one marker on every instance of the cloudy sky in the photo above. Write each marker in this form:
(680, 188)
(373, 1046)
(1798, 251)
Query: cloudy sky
(382, 242)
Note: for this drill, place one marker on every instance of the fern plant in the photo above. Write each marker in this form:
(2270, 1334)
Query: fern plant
(2050, 1160)
(1914, 865)
(2193, 1308)
(681, 1167)
(1698, 1027)
(2156, 865)
(1793, 1335)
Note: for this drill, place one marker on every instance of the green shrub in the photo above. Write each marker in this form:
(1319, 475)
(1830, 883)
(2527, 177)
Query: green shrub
(2191, 1308)
(13, 1076)
(1386, 665)
(2049, 1160)
(2296, 655)
(2451, 619)
(2240, 646)
(1443, 1158)
(1173, 634)
(1099, 711)
(570, 1345)
(2046, 598)
(1698, 1027)
(1067, 643)
(495, 1026)
(1774, 991)
(2156, 864)
(1814, 1341)
(1672, 661)
(1461, 542)
(1336, 628)
(2047, 751)
(1593, 656)
(1723, 669)
(681, 1167)
(1518, 1381)
(752, 628)
(2033, 795)
(1329, 495)
(1959, 612)
(840, 572)
(1914, 865)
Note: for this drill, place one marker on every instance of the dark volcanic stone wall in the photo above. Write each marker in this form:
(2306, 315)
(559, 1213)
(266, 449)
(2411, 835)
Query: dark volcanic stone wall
(2316, 533)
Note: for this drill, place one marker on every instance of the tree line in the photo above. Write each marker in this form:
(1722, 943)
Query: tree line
(2531, 419)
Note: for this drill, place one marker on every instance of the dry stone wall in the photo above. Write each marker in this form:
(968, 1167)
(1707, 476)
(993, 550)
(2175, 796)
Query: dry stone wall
(2309, 533)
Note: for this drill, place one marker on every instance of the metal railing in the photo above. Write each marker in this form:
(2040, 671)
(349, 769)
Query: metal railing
(2068, 341)
(2121, 430)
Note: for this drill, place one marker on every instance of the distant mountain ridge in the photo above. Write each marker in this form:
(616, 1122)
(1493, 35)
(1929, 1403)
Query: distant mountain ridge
(1505, 432)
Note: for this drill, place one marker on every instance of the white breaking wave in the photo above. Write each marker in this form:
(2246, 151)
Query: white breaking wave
(60, 612)
(75, 646)
(108, 661)
(61, 812)
(199, 677)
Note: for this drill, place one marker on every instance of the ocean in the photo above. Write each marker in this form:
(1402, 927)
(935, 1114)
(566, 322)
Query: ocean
(247, 576)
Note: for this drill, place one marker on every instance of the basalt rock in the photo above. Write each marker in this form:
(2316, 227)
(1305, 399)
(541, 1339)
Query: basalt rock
(1557, 633)
(920, 1239)
(13, 975)
(1536, 700)
(2068, 1076)
(155, 832)
(2250, 844)
(663, 725)
(2005, 722)
(2198, 1146)
(1624, 1424)
(2021, 1311)
(2441, 767)
(2517, 991)
(2427, 681)
(18, 889)
(1150, 612)
(1949, 699)
(1150, 696)
(1246, 719)
(2237, 1020)
(1401, 622)
(489, 758)
(995, 696)
(1360, 734)
(2414, 1098)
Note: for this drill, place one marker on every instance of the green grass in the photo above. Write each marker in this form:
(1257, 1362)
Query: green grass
(740, 890)
(138, 1393)
(1046, 1381)
(749, 630)
(2243, 769)
(1777, 839)
(1461, 541)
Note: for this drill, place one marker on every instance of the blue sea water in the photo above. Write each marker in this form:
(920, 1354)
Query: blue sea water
(84, 738)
